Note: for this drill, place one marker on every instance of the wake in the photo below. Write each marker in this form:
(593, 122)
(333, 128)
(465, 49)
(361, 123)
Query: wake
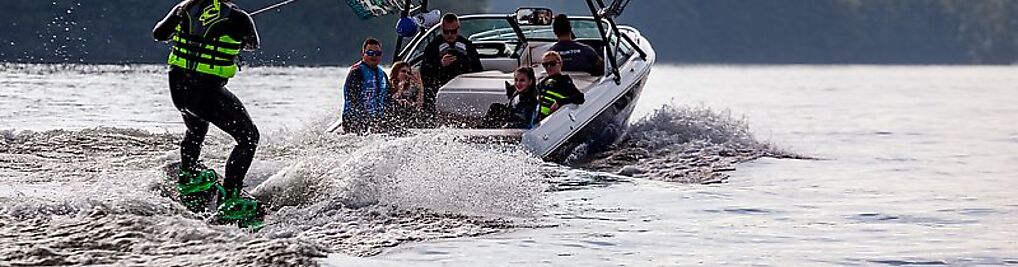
(686, 145)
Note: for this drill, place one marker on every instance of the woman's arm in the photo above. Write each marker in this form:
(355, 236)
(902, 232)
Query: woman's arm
(399, 89)
(420, 88)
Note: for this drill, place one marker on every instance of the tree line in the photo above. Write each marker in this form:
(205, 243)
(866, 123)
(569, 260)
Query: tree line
(317, 32)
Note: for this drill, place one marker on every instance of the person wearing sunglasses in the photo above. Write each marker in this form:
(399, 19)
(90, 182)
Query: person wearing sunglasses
(557, 89)
(366, 92)
(447, 57)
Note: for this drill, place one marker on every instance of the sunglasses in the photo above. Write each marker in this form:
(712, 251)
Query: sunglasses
(373, 53)
(549, 64)
(453, 31)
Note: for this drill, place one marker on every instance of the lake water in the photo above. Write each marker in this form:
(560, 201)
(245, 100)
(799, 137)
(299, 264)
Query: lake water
(914, 165)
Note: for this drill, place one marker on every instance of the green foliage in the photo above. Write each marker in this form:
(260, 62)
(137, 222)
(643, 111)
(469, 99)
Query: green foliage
(819, 31)
(311, 32)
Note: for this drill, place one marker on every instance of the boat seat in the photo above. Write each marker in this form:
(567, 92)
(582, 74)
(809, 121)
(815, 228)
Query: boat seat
(507, 65)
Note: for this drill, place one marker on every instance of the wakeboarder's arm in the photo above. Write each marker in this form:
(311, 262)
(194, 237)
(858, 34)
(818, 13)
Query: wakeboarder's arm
(164, 28)
(248, 33)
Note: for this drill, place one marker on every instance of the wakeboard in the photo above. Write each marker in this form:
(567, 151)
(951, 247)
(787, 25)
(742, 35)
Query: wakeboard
(207, 212)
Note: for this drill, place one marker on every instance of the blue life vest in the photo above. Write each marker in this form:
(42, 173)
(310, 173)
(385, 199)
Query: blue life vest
(373, 92)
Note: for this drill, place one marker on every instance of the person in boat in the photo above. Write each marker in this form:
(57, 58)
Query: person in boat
(447, 57)
(207, 37)
(557, 89)
(366, 92)
(407, 93)
(576, 56)
(523, 100)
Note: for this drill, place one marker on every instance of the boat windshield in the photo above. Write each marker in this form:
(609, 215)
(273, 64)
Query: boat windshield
(499, 30)
(487, 29)
(584, 29)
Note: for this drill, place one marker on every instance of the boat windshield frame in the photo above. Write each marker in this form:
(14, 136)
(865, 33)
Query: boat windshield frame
(503, 28)
(602, 14)
(527, 33)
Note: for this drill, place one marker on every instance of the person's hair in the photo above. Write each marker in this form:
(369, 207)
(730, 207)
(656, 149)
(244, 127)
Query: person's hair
(529, 72)
(560, 25)
(554, 54)
(370, 41)
(394, 75)
(450, 18)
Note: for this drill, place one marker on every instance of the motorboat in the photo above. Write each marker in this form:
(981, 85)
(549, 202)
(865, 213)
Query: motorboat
(508, 41)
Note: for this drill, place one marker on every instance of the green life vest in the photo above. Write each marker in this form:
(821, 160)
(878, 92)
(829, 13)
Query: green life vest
(549, 97)
(194, 50)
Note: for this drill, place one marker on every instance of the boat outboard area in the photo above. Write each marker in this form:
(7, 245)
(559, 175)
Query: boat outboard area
(506, 42)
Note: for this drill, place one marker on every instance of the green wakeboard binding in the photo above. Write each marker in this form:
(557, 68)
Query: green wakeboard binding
(235, 207)
(195, 188)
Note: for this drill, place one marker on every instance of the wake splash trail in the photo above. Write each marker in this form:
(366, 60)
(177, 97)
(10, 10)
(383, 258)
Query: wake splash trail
(685, 145)
(100, 196)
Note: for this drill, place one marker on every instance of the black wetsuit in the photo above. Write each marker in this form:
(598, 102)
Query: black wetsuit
(435, 76)
(203, 99)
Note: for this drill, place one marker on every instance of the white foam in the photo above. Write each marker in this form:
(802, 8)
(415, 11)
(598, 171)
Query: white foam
(434, 171)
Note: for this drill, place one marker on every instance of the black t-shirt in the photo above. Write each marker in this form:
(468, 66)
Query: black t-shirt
(578, 57)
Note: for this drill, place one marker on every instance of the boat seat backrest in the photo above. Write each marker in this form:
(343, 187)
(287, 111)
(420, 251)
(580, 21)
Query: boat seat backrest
(500, 64)
(534, 53)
